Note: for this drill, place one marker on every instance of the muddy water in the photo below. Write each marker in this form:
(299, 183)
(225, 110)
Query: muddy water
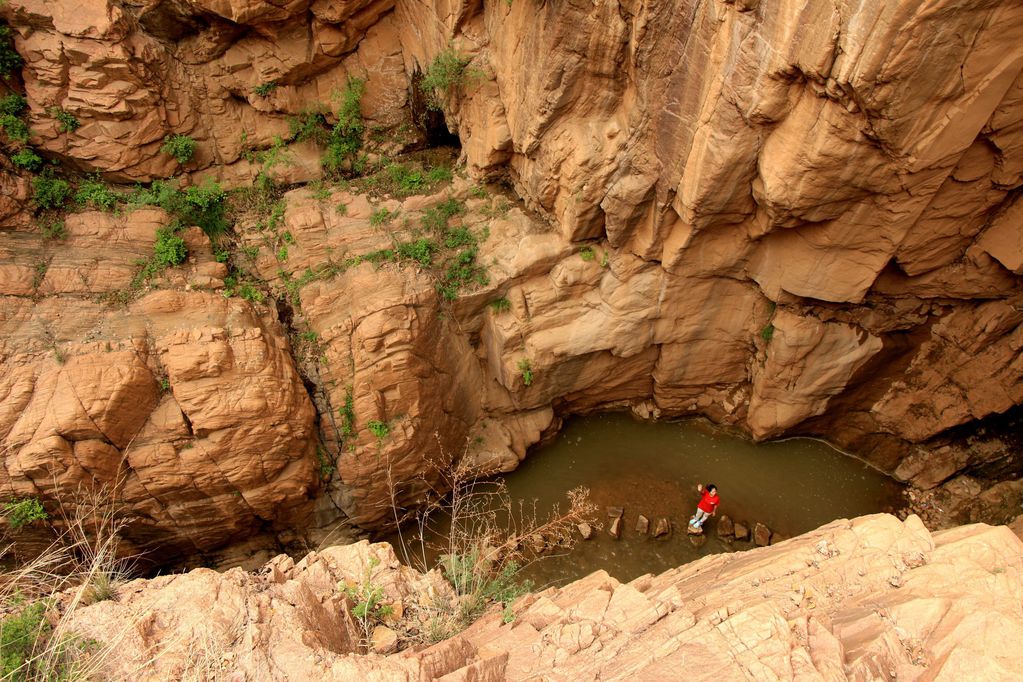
(792, 486)
(652, 469)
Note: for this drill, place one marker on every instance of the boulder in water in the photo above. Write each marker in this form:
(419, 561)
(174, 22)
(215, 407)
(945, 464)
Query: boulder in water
(642, 525)
(615, 530)
(761, 535)
(615, 512)
(663, 527)
(725, 526)
(741, 531)
(585, 530)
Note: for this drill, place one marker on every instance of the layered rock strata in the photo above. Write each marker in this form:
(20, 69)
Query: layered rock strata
(794, 219)
(871, 598)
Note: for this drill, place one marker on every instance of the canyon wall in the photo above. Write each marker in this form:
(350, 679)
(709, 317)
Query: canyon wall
(788, 217)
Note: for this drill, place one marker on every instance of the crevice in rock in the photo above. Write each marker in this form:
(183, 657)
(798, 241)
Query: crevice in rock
(430, 122)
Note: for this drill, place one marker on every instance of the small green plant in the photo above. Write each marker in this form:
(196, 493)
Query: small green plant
(169, 249)
(282, 253)
(767, 333)
(347, 413)
(67, 121)
(378, 428)
(500, 305)
(446, 73)
(342, 209)
(380, 217)
(479, 192)
(49, 191)
(181, 147)
(345, 139)
(11, 108)
(165, 384)
(21, 635)
(27, 158)
(12, 105)
(94, 192)
(53, 229)
(10, 60)
(308, 125)
(421, 251)
(265, 89)
(367, 601)
(327, 468)
(23, 512)
(587, 253)
(605, 259)
(526, 369)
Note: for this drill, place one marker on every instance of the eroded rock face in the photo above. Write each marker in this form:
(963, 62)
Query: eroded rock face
(185, 408)
(853, 599)
(691, 174)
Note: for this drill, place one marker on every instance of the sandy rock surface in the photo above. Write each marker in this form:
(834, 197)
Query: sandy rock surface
(871, 598)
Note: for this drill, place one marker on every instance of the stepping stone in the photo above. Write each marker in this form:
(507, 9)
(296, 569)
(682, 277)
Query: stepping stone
(741, 531)
(761, 535)
(642, 525)
(585, 530)
(663, 527)
(698, 539)
(616, 528)
(725, 526)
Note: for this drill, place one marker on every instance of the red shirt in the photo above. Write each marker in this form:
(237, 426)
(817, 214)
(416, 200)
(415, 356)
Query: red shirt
(708, 502)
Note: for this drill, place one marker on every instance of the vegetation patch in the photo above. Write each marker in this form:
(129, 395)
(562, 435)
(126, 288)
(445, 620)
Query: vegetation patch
(97, 194)
(10, 60)
(50, 192)
(23, 512)
(265, 89)
(447, 74)
(66, 122)
(181, 147)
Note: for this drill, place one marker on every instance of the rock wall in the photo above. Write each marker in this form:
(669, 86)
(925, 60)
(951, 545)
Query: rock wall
(871, 598)
(793, 218)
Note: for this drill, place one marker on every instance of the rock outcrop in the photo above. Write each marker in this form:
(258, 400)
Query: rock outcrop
(792, 218)
(183, 410)
(871, 598)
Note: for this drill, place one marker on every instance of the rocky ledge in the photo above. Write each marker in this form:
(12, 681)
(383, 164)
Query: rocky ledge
(871, 598)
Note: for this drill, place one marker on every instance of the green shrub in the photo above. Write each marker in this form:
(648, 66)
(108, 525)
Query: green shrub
(526, 369)
(94, 192)
(462, 271)
(23, 512)
(380, 217)
(264, 89)
(408, 180)
(439, 174)
(12, 105)
(169, 249)
(53, 229)
(447, 73)
(587, 253)
(500, 305)
(10, 60)
(345, 138)
(181, 147)
(308, 125)
(21, 639)
(421, 250)
(378, 428)
(205, 206)
(767, 333)
(347, 413)
(50, 192)
(15, 129)
(27, 158)
(68, 122)
(282, 253)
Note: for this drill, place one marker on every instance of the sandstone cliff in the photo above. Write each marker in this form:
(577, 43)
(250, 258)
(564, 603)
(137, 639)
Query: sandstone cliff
(867, 599)
(794, 218)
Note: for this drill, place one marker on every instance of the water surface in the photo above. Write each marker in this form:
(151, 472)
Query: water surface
(652, 468)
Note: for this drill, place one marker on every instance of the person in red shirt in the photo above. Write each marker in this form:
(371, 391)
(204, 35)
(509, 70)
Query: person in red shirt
(705, 508)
